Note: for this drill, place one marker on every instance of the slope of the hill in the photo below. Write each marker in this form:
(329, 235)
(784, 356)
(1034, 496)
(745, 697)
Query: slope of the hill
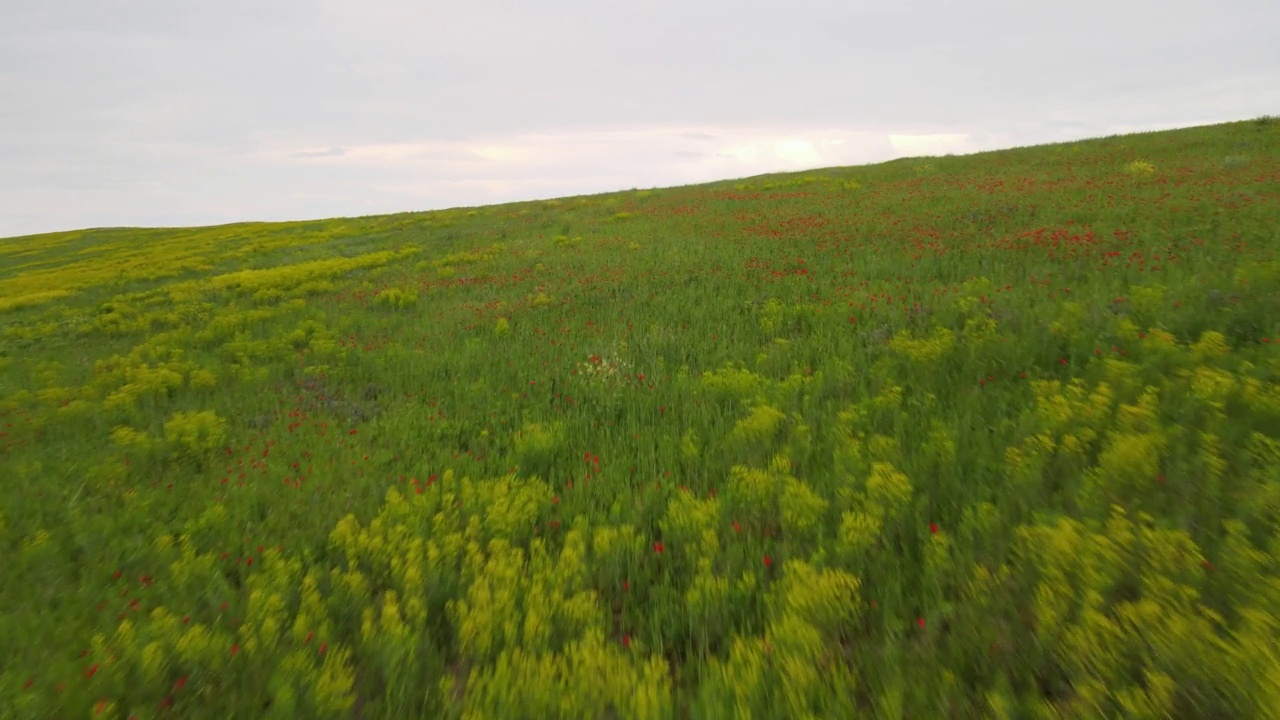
(982, 436)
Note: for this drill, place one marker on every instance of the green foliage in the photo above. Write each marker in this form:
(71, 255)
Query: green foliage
(758, 429)
(397, 299)
(926, 351)
(989, 436)
(733, 382)
(691, 525)
(195, 435)
(1140, 167)
(537, 446)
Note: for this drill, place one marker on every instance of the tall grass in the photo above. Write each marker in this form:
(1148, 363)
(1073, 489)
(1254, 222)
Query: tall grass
(992, 436)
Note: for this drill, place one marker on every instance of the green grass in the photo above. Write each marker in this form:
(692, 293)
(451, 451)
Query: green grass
(958, 437)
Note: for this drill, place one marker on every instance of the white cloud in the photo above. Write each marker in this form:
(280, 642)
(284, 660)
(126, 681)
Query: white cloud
(753, 150)
(742, 153)
(796, 151)
(508, 155)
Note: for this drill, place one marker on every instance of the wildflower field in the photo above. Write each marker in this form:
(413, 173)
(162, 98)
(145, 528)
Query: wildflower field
(994, 436)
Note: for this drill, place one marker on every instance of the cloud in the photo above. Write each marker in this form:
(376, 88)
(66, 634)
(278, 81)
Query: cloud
(742, 153)
(331, 152)
(796, 151)
(508, 155)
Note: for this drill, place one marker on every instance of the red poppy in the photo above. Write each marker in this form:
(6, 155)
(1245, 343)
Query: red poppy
(933, 528)
(657, 547)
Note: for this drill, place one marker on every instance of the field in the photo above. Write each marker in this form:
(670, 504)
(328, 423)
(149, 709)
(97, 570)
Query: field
(993, 436)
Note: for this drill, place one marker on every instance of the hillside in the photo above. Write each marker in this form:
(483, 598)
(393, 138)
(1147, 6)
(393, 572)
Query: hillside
(954, 437)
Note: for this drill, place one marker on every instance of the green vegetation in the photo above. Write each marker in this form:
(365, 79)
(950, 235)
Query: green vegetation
(994, 436)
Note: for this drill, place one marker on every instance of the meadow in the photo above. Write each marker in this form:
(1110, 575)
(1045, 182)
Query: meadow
(990, 436)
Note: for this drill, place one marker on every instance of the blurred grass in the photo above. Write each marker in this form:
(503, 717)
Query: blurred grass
(981, 436)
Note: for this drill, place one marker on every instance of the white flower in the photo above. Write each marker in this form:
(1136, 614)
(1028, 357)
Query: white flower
(602, 370)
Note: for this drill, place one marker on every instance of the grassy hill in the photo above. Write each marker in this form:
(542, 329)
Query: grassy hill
(953, 437)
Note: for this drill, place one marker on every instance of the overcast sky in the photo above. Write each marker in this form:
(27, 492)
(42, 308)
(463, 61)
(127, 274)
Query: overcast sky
(170, 112)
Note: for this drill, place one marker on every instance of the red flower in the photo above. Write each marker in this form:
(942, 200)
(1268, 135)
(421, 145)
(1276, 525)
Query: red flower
(933, 528)
(235, 649)
(920, 622)
(768, 561)
(93, 670)
(181, 682)
(657, 547)
(626, 641)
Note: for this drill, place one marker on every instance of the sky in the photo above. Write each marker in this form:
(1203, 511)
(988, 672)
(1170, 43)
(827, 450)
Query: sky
(162, 113)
